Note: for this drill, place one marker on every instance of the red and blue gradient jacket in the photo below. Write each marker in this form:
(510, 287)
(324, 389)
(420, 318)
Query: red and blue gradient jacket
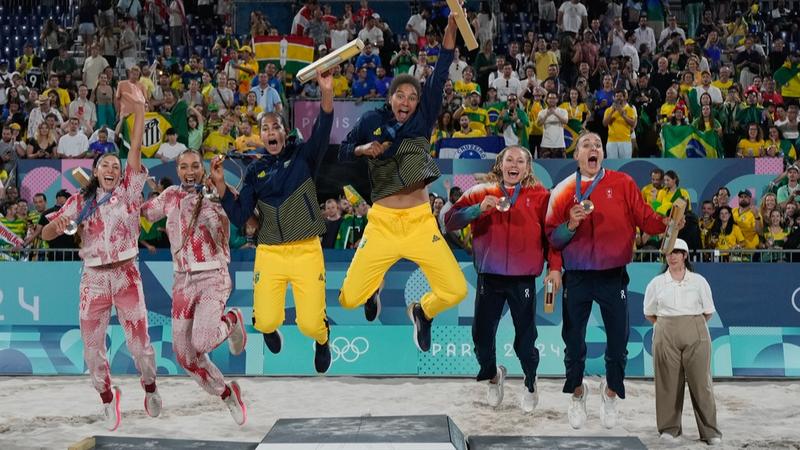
(604, 240)
(506, 243)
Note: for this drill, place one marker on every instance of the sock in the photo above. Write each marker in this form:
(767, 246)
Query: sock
(107, 396)
(150, 388)
(227, 392)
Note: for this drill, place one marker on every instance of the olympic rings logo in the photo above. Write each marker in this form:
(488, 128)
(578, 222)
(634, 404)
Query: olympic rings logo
(347, 350)
(794, 300)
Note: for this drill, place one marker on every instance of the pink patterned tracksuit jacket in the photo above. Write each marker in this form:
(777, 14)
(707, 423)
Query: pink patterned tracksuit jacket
(111, 277)
(202, 284)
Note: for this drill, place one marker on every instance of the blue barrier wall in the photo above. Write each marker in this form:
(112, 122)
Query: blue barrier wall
(755, 333)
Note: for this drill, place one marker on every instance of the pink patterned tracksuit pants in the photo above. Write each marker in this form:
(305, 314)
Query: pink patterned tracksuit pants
(121, 287)
(198, 299)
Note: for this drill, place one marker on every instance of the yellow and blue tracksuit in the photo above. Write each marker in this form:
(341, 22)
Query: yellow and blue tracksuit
(410, 233)
(282, 188)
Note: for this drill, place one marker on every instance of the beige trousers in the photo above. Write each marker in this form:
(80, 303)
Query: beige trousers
(682, 354)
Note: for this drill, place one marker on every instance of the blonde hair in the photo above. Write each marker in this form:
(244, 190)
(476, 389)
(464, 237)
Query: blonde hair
(496, 174)
(584, 134)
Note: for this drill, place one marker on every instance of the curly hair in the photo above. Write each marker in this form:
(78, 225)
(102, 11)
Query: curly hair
(496, 174)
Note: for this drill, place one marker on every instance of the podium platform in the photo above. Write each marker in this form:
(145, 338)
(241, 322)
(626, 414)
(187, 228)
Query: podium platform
(434, 432)
(127, 443)
(555, 443)
(368, 432)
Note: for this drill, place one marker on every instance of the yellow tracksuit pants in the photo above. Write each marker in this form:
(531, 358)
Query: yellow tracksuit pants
(300, 263)
(413, 234)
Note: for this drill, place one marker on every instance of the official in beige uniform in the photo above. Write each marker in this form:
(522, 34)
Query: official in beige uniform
(678, 302)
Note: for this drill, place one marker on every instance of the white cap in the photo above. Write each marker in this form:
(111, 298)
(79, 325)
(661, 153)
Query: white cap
(680, 244)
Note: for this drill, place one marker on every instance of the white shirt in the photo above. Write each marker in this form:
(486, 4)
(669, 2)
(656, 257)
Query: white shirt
(456, 71)
(645, 36)
(418, 26)
(573, 13)
(169, 151)
(92, 68)
(499, 74)
(666, 32)
(505, 87)
(374, 36)
(788, 129)
(553, 129)
(175, 16)
(73, 145)
(630, 51)
(89, 116)
(665, 296)
(713, 91)
(339, 38)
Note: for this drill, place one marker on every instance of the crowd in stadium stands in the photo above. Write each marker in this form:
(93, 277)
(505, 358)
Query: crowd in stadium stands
(728, 76)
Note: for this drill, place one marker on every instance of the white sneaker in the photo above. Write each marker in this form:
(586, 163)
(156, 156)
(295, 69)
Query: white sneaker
(152, 403)
(494, 396)
(715, 441)
(668, 438)
(236, 405)
(577, 409)
(608, 407)
(111, 410)
(529, 399)
(237, 339)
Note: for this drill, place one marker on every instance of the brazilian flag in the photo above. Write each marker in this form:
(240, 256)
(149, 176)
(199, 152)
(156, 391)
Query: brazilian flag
(571, 132)
(685, 141)
(786, 73)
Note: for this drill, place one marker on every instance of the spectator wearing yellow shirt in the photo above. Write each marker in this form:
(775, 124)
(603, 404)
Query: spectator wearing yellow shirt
(247, 140)
(535, 131)
(746, 216)
(26, 60)
(247, 67)
(219, 141)
(341, 87)
(442, 130)
(753, 145)
(669, 194)
(63, 94)
(465, 130)
(670, 103)
(725, 234)
(478, 116)
(146, 82)
(466, 86)
(250, 111)
(650, 191)
(543, 58)
(576, 108)
(706, 222)
(620, 118)
(724, 82)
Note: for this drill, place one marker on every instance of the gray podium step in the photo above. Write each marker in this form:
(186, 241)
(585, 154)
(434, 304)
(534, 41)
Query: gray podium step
(128, 443)
(365, 433)
(554, 442)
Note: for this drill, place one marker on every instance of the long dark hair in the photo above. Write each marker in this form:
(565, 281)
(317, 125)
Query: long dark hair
(716, 229)
(90, 191)
(201, 197)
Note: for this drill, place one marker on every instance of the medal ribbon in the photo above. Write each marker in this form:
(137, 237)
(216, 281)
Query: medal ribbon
(90, 207)
(513, 198)
(581, 197)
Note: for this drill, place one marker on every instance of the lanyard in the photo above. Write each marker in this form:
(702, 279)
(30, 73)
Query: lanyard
(90, 207)
(513, 198)
(581, 197)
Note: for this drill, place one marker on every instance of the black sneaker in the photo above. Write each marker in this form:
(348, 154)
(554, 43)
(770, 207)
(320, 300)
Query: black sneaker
(422, 327)
(372, 309)
(322, 355)
(274, 341)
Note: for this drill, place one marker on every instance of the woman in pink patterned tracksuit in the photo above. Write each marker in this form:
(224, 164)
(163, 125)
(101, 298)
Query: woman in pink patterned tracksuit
(198, 231)
(107, 211)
